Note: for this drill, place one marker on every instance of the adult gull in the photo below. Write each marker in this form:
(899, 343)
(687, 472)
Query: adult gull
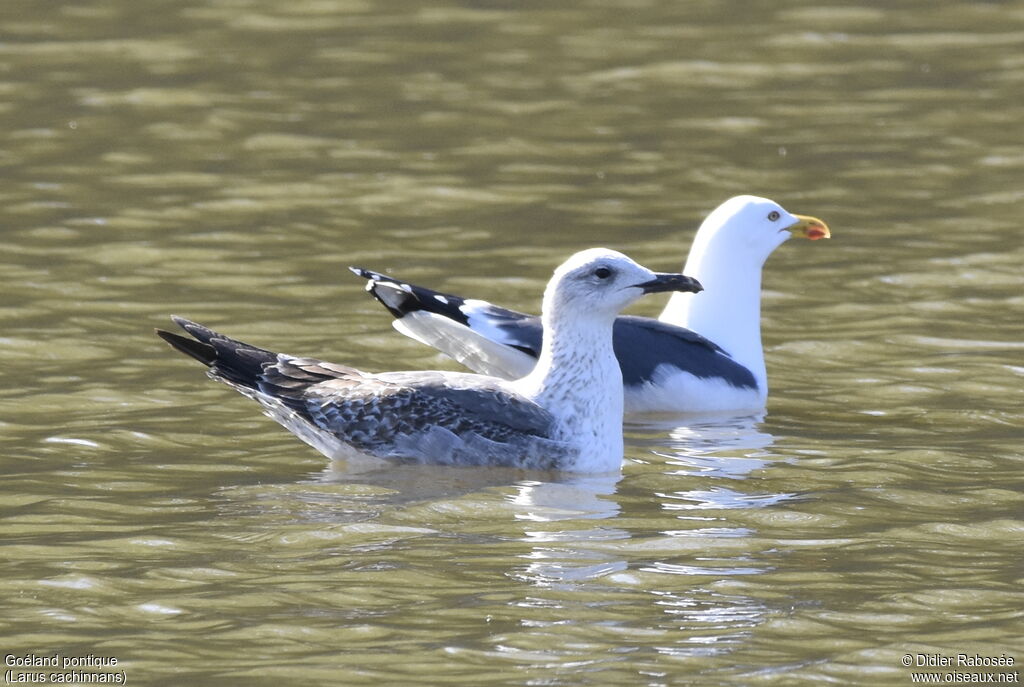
(566, 414)
(702, 354)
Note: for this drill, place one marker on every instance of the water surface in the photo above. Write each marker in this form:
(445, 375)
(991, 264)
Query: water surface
(225, 160)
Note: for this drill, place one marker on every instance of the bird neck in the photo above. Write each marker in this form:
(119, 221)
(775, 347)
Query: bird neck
(728, 311)
(577, 378)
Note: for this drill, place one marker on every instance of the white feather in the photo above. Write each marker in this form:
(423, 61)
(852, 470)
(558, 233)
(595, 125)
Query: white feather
(672, 388)
(464, 345)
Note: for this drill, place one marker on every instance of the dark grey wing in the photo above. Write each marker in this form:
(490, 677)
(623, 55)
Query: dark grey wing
(377, 410)
(485, 398)
(643, 344)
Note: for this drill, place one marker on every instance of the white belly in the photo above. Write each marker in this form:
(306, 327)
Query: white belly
(675, 391)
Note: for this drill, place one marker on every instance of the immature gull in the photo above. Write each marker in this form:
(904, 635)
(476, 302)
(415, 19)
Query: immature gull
(565, 414)
(702, 354)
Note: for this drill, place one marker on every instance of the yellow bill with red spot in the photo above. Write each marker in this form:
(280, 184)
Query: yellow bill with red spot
(809, 228)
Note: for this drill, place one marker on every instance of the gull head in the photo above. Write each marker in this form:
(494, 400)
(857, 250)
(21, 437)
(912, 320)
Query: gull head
(757, 226)
(602, 282)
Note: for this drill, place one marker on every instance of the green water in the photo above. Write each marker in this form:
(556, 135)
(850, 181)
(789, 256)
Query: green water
(226, 160)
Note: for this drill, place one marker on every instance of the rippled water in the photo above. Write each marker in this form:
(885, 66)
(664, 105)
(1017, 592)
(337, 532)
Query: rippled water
(225, 160)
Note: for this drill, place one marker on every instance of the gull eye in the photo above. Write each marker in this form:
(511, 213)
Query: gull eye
(602, 273)
(774, 216)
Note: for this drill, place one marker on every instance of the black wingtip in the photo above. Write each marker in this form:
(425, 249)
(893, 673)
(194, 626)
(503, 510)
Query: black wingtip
(204, 353)
(366, 274)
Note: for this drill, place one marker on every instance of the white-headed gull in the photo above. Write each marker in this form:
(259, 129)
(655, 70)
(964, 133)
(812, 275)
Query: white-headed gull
(566, 414)
(702, 354)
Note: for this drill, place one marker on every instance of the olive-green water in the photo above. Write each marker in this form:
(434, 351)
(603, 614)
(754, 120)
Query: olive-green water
(226, 160)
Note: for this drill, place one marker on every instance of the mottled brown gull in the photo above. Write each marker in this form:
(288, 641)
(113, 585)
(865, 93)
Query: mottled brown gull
(702, 354)
(566, 414)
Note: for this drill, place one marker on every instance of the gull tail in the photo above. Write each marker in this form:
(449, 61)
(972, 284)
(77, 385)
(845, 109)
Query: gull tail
(278, 382)
(234, 362)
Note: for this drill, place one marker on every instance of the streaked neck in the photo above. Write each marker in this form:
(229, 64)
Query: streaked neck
(577, 378)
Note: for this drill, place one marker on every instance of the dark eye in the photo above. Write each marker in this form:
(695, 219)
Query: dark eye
(602, 273)
(773, 216)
